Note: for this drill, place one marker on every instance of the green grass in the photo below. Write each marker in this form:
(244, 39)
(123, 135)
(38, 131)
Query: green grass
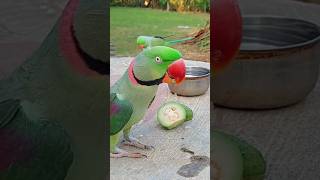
(128, 23)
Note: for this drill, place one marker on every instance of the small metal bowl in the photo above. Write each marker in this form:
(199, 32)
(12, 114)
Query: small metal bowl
(277, 66)
(196, 83)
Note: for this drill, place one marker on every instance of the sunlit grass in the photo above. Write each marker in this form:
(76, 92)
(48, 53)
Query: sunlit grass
(128, 23)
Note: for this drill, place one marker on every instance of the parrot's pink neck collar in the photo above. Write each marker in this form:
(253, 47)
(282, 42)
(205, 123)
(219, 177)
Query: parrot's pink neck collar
(70, 46)
(132, 79)
(66, 43)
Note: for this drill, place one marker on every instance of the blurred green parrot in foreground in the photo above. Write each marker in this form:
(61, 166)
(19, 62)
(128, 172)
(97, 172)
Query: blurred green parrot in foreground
(150, 41)
(53, 107)
(134, 92)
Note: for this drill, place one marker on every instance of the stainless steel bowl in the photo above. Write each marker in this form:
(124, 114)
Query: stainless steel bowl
(278, 65)
(196, 83)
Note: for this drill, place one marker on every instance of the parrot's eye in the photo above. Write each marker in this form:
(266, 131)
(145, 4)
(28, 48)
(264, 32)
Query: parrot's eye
(158, 59)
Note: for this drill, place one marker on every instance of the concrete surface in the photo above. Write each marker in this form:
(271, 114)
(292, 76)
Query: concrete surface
(164, 162)
(289, 138)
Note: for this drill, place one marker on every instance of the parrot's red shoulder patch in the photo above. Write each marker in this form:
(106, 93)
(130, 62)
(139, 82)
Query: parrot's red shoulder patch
(114, 108)
(14, 148)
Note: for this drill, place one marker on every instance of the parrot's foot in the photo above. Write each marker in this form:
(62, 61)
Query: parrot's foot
(136, 143)
(121, 153)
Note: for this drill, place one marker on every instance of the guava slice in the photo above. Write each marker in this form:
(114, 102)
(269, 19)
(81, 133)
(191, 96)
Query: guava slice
(227, 162)
(172, 114)
(189, 113)
(253, 164)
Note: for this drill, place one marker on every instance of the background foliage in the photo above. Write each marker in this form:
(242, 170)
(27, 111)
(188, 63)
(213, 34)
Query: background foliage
(169, 5)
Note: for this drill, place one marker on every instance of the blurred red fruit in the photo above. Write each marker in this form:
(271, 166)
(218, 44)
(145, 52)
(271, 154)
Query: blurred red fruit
(226, 32)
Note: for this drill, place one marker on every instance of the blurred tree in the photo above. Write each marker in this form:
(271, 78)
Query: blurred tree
(164, 3)
(178, 4)
(202, 5)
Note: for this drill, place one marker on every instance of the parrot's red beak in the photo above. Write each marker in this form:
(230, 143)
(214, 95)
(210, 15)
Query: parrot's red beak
(141, 47)
(176, 72)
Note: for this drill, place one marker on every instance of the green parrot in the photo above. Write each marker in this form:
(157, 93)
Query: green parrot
(150, 41)
(134, 92)
(53, 107)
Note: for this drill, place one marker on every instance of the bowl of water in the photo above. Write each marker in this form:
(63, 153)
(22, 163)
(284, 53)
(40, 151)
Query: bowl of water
(277, 65)
(196, 82)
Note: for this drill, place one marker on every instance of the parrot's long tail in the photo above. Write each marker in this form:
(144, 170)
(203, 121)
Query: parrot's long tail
(173, 42)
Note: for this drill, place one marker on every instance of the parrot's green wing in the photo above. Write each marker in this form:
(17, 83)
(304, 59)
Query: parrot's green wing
(8, 109)
(31, 148)
(120, 113)
(150, 41)
(173, 42)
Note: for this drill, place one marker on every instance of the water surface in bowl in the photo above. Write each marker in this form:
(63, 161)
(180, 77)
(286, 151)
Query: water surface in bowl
(196, 72)
(257, 45)
(270, 33)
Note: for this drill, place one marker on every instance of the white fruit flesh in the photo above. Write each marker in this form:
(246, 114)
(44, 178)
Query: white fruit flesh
(227, 159)
(171, 115)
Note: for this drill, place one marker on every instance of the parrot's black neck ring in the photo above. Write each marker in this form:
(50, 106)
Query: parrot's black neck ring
(148, 83)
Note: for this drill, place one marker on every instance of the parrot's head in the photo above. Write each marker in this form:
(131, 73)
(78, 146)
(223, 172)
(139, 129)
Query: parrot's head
(159, 64)
(142, 42)
(148, 41)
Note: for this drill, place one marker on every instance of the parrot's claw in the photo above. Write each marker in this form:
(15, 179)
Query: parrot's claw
(121, 153)
(136, 143)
